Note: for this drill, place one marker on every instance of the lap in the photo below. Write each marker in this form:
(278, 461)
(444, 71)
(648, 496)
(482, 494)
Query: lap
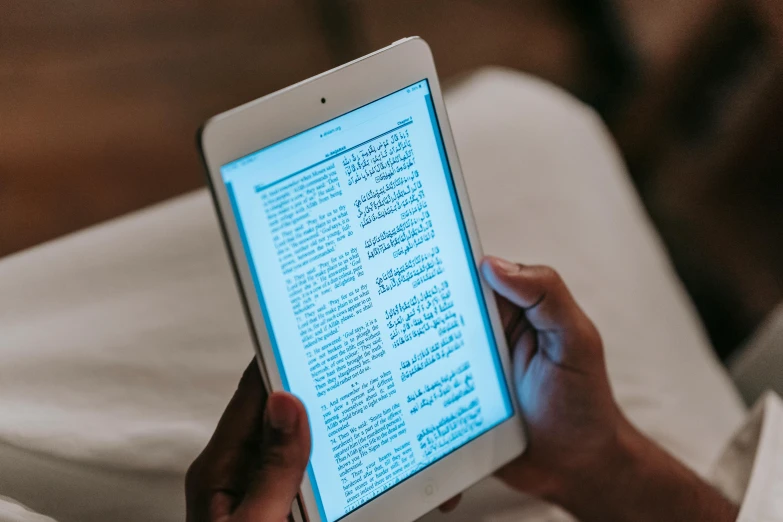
(125, 341)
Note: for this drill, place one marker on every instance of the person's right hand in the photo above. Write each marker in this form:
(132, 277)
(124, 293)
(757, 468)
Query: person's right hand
(572, 420)
(582, 453)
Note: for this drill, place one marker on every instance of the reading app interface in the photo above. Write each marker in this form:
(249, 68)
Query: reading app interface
(370, 294)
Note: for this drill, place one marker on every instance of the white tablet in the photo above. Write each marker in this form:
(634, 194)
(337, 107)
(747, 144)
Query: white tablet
(347, 220)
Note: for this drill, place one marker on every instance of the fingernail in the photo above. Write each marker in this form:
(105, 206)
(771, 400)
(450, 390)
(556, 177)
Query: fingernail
(282, 412)
(505, 266)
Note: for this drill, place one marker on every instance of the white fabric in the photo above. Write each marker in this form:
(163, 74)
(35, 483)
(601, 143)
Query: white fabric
(758, 366)
(763, 499)
(120, 345)
(10, 511)
(750, 472)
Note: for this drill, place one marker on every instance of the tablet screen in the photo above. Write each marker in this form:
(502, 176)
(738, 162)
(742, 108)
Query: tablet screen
(366, 280)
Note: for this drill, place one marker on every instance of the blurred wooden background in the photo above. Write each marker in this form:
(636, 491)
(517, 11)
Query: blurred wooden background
(99, 103)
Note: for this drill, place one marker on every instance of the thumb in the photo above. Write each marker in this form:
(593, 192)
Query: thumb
(538, 290)
(283, 459)
(563, 330)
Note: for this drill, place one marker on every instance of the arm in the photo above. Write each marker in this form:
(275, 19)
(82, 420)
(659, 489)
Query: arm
(639, 482)
(583, 453)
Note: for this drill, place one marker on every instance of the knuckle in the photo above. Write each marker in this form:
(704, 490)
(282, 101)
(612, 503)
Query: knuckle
(284, 458)
(275, 458)
(591, 335)
(275, 466)
(550, 277)
(193, 476)
(598, 342)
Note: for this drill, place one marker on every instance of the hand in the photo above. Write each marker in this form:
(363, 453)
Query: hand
(252, 467)
(583, 454)
(572, 420)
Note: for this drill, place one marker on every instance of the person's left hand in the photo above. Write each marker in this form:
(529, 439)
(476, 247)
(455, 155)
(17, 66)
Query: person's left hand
(252, 467)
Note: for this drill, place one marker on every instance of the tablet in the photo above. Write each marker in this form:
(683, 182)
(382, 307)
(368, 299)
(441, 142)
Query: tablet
(348, 224)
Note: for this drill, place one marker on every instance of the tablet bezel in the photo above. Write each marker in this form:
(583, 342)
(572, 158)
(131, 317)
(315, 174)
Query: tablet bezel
(270, 119)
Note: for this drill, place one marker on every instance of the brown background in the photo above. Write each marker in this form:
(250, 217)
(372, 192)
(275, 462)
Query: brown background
(99, 103)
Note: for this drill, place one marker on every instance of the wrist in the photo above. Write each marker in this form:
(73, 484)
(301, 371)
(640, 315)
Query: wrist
(633, 479)
(601, 477)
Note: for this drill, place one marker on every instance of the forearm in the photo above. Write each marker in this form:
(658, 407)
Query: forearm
(640, 482)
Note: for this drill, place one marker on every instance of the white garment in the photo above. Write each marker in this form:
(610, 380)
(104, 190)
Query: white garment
(758, 366)
(749, 473)
(121, 345)
(11, 511)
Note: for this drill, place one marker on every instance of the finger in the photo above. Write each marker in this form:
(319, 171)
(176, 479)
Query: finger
(523, 351)
(451, 504)
(211, 481)
(223, 459)
(509, 312)
(520, 361)
(243, 414)
(539, 290)
(284, 456)
(563, 332)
